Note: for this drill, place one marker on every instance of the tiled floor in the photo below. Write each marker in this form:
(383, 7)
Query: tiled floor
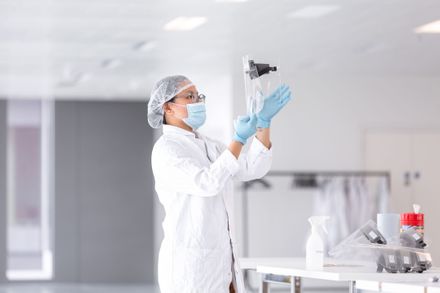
(83, 288)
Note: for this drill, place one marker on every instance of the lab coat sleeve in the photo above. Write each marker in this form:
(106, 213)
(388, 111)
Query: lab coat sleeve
(255, 163)
(180, 172)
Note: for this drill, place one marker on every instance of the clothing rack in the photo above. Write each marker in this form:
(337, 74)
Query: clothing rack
(307, 178)
(329, 173)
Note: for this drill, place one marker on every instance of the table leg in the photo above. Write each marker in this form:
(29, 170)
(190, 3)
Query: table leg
(352, 287)
(264, 286)
(295, 286)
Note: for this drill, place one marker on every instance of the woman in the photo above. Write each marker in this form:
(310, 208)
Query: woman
(193, 175)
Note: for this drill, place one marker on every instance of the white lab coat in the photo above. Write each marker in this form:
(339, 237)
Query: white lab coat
(193, 178)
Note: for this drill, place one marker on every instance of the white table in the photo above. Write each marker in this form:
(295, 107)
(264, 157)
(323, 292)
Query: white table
(291, 270)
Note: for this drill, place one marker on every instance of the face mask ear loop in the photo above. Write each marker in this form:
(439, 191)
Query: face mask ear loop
(180, 105)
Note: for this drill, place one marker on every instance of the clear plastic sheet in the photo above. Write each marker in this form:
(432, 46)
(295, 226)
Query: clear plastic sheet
(368, 244)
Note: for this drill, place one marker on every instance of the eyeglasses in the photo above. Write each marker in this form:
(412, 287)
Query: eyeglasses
(199, 98)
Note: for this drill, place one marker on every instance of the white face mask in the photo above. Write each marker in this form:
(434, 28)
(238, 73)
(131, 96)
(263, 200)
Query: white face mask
(196, 114)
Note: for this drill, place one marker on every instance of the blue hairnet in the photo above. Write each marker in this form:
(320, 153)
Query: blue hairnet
(163, 91)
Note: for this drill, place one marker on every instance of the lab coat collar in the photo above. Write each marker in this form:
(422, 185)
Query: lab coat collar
(170, 129)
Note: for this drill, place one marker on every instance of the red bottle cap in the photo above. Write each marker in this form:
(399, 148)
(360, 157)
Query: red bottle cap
(412, 219)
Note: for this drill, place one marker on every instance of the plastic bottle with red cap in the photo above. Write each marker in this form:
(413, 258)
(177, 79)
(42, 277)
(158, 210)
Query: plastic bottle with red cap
(414, 220)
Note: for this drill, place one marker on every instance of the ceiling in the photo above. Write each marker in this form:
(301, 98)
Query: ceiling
(90, 48)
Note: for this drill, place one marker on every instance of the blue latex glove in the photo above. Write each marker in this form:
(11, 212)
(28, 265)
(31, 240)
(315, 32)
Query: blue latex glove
(273, 104)
(245, 127)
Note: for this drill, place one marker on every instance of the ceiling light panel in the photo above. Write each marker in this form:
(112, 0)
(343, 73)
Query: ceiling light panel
(313, 11)
(429, 28)
(182, 23)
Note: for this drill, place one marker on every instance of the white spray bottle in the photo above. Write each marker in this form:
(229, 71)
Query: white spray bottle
(315, 244)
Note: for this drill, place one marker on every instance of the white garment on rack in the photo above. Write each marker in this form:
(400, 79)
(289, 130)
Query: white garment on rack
(382, 195)
(331, 201)
(348, 202)
(359, 204)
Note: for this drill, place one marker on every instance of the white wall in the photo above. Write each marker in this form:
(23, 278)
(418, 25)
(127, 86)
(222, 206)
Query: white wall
(322, 128)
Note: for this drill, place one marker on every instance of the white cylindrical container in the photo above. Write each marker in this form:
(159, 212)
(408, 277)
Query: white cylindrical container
(389, 225)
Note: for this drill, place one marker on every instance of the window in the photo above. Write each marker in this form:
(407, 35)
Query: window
(30, 189)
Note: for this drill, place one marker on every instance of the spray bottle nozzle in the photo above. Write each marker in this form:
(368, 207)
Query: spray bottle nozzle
(319, 221)
(416, 208)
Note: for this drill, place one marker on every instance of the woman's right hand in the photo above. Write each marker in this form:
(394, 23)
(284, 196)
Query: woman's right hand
(245, 127)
